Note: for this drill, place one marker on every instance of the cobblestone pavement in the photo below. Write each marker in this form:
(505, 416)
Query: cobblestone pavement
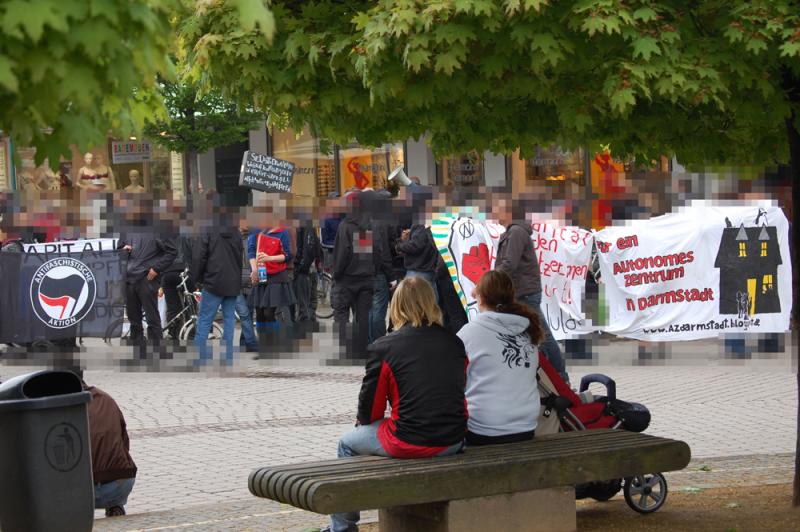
(195, 437)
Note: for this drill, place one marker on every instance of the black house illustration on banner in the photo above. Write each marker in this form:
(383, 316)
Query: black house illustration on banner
(748, 260)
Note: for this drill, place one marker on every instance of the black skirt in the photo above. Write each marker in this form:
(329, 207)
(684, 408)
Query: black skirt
(276, 292)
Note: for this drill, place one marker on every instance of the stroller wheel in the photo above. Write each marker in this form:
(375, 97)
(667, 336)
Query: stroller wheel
(645, 493)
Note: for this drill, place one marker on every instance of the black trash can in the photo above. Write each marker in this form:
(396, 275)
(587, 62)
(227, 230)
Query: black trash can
(45, 454)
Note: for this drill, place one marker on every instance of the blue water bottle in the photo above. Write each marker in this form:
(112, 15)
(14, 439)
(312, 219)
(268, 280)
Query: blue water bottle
(262, 273)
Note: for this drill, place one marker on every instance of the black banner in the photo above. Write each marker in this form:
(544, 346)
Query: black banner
(52, 296)
(266, 173)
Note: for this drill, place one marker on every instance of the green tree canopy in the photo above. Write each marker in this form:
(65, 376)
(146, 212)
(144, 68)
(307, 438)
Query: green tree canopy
(73, 70)
(707, 80)
(198, 121)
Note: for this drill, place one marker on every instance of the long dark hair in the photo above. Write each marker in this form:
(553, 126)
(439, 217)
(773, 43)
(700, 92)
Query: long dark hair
(496, 290)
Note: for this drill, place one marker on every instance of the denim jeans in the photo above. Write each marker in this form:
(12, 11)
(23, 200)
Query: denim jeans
(428, 276)
(548, 344)
(114, 493)
(248, 336)
(363, 440)
(380, 303)
(209, 305)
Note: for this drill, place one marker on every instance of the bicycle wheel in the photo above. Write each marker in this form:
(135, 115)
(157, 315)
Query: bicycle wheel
(324, 307)
(114, 331)
(188, 330)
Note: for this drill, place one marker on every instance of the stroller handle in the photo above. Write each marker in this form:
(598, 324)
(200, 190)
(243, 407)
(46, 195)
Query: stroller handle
(605, 380)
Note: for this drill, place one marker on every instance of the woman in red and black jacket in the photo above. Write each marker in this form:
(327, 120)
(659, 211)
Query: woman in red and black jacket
(420, 370)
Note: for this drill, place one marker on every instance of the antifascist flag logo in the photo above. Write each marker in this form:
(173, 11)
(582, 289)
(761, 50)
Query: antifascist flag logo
(62, 292)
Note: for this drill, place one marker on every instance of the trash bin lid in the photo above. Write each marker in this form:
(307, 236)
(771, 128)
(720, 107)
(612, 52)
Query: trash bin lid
(41, 390)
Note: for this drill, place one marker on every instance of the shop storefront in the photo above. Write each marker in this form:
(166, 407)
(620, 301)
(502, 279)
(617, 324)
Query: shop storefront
(130, 165)
(352, 166)
(361, 167)
(466, 170)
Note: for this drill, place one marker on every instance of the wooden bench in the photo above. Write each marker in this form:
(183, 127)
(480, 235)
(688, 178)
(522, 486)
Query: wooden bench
(521, 486)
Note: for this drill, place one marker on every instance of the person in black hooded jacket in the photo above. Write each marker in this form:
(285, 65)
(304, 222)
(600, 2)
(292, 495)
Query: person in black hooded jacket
(354, 272)
(217, 266)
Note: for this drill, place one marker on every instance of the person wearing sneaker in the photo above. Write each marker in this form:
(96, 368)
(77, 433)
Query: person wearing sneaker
(113, 469)
(420, 370)
(502, 392)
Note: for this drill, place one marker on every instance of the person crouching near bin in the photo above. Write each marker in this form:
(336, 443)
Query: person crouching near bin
(420, 370)
(272, 293)
(113, 469)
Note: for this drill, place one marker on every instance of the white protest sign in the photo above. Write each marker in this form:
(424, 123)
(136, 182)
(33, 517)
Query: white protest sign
(698, 273)
(468, 247)
(563, 254)
(72, 246)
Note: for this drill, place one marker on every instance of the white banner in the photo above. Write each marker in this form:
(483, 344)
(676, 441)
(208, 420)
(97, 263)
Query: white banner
(698, 273)
(469, 248)
(73, 246)
(563, 254)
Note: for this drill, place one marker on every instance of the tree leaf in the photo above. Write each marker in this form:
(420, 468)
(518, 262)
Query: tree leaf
(447, 62)
(790, 49)
(20, 13)
(253, 13)
(645, 14)
(645, 47)
(7, 77)
(622, 100)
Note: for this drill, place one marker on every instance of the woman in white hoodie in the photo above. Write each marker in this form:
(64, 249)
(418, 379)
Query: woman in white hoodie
(502, 392)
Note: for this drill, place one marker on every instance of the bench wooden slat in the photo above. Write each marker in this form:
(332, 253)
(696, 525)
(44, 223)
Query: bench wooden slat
(496, 453)
(374, 482)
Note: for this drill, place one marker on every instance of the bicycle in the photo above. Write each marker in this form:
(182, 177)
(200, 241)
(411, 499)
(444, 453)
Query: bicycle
(190, 306)
(324, 305)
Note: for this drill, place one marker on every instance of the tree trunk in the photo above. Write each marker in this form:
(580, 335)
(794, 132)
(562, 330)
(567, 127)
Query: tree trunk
(794, 165)
(194, 171)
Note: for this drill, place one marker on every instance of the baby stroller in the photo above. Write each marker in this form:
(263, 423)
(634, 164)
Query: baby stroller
(563, 410)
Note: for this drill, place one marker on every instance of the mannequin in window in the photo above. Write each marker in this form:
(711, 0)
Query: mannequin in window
(94, 175)
(48, 180)
(136, 182)
(28, 180)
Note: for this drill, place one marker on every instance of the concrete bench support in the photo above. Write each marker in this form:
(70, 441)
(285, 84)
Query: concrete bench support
(545, 510)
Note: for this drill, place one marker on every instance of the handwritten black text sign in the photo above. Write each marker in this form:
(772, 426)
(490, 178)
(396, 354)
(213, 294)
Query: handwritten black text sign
(266, 173)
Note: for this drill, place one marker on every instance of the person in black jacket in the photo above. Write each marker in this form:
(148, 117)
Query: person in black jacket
(420, 255)
(420, 370)
(217, 266)
(171, 279)
(308, 249)
(149, 255)
(354, 273)
(385, 278)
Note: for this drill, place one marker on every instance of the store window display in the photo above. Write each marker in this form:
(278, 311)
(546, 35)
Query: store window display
(31, 177)
(553, 163)
(462, 170)
(136, 182)
(314, 173)
(362, 167)
(95, 175)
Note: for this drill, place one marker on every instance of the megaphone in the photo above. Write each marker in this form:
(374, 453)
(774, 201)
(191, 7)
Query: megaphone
(399, 175)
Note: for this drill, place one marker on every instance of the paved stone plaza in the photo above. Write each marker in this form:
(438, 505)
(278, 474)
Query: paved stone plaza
(196, 436)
